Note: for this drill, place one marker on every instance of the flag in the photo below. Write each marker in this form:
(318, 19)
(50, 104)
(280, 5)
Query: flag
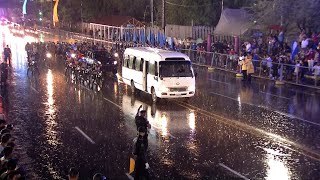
(161, 40)
(149, 36)
(171, 43)
(140, 35)
(112, 34)
(128, 36)
(143, 37)
(159, 37)
(152, 39)
(294, 49)
(134, 36)
(119, 35)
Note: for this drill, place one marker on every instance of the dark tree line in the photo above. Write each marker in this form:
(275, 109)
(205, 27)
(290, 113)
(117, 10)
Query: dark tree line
(182, 12)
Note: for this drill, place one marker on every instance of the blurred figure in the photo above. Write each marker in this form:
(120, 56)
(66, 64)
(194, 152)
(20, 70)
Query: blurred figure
(7, 54)
(9, 169)
(73, 174)
(250, 67)
(310, 58)
(4, 73)
(140, 148)
(141, 119)
(99, 176)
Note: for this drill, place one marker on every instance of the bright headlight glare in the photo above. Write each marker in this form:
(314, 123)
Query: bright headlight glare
(48, 55)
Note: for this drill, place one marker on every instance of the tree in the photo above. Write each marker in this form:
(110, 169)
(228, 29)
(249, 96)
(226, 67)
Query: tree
(201, 12)
(303, 14)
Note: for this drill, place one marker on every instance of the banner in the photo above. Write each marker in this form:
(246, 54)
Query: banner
(24, 7)
(55, 13)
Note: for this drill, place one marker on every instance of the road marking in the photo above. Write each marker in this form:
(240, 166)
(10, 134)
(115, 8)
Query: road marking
(34, 89)
(129, 176)
(233, 171)
(253, 130)
(225, 96)
(84, 134)
(219, 81)
(274, 95)
(295, 117)
(112, 102)
(269, 109)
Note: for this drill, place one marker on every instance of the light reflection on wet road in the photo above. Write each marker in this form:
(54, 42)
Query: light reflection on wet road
(260, 131)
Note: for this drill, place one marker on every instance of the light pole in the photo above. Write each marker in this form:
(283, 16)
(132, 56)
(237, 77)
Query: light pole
(163, 14)
(81, 18)
(151, 9)
(145, 12)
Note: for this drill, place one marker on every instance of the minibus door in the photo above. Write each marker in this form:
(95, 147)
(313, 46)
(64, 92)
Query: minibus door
(145, 75)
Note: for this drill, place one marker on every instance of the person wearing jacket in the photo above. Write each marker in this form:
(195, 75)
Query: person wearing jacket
(244, 68)
(140, 147)
(249, 66)
(141, 119)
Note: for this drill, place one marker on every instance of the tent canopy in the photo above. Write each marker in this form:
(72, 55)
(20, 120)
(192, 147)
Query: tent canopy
(233, 22)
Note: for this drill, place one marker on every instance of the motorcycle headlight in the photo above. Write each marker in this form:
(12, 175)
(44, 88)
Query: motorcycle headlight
(115, 62)
(73, 55)
(116, 55)
(48, 55)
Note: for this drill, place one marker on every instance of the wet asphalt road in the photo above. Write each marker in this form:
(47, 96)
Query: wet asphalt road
(228, 130)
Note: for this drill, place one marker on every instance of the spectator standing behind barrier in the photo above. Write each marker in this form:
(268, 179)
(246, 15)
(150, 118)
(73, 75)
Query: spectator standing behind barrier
(250, 67)
(317, 69)
(244, 69)
(310, 58)
(269, 65)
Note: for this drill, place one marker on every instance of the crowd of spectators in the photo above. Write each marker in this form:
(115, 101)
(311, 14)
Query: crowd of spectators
(9, 167)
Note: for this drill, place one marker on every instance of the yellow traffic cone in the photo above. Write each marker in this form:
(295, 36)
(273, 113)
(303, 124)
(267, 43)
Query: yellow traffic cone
(132, 164)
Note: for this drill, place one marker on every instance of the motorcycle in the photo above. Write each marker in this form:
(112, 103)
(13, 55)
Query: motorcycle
(96, 79)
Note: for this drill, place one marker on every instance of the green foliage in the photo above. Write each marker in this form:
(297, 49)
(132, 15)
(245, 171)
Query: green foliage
(303, 14)
(182, 12)
(201, 12)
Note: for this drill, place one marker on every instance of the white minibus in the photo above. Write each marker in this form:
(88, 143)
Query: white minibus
(161, 73)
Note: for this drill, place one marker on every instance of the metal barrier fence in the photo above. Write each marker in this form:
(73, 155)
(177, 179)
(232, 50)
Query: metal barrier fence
(280, 72)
